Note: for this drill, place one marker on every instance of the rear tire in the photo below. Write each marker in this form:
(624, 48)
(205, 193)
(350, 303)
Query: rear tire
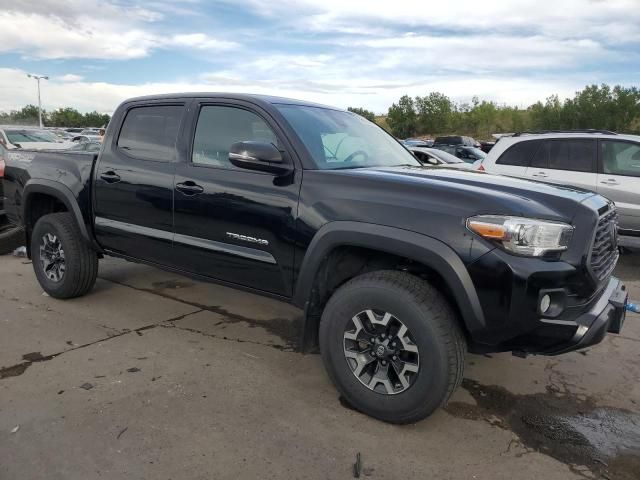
(65, 265)
(414, 361)
(10, 239)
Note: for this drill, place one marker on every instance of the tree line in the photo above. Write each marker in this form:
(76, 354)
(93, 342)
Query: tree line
(61, 117)
(596, 106)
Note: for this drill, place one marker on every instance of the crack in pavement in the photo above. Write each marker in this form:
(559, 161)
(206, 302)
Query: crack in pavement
(287, 330)
(282, 348)
(36, 357)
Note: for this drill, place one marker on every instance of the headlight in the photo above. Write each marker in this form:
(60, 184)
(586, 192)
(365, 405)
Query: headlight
(523, 236)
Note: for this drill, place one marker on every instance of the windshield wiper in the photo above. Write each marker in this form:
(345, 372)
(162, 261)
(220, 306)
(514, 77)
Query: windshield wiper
(351, 167)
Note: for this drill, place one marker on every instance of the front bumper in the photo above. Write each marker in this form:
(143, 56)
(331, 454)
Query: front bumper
(607, 314)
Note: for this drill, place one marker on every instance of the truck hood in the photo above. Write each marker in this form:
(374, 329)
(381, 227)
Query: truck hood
(480, 192)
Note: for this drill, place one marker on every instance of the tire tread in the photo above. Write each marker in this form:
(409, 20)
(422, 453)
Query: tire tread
(82, 278)
(440, 313)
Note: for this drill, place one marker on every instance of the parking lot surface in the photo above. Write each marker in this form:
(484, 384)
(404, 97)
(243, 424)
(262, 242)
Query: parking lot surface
(156, 376)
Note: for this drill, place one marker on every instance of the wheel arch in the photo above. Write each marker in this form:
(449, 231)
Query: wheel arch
(425, 251)
(35, 190)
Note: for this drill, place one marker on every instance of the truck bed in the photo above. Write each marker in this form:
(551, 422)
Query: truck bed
(42, 169)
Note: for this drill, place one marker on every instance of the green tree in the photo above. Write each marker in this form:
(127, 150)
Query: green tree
(434, 112)
(402, 118)
(369, 115)
(95, 119)
(28, 115)
(66, 117)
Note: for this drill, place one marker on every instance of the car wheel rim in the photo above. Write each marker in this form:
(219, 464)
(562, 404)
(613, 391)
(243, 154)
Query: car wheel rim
(381, 352)
(52, 257)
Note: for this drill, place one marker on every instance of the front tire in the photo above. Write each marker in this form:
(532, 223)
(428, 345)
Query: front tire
(392, 346)
(64, 264)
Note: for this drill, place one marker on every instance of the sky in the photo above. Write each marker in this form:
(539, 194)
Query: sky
(360, 53)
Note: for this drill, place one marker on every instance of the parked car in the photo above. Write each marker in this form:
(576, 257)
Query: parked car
(456, 140)
(90, 131)
(29, 137)
(601, 161)
(11, 235)
(463, 152)
(436, 157)
(416, 142)
(88, 146)
(399, 269)
(87, 139)
(487, 146)
(74, 130)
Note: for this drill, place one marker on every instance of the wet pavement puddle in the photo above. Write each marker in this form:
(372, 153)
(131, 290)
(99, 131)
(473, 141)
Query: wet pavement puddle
(571, 429)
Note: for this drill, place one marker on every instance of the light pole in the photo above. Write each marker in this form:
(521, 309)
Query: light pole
(37, 79)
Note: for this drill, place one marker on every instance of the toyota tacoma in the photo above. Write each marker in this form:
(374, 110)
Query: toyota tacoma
(400, 268)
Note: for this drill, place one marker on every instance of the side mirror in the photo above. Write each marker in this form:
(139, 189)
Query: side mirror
(261, 156)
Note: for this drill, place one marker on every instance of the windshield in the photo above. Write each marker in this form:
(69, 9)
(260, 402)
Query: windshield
(476, 151)
(28, 136)
(338, 139)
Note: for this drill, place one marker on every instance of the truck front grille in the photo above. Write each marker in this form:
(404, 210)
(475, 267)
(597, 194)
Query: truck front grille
(604, 251)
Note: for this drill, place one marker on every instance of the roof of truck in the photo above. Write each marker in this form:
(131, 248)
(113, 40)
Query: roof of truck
(231, 96)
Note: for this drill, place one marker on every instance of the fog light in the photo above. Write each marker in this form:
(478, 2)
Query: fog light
(545, 303)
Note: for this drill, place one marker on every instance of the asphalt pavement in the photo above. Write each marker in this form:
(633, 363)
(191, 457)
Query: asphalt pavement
(156, 376)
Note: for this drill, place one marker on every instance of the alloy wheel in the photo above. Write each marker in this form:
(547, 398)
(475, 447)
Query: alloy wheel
(52, 257)
(381, 352)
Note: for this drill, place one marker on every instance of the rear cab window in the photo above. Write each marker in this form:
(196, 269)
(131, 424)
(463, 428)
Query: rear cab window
(151, 132)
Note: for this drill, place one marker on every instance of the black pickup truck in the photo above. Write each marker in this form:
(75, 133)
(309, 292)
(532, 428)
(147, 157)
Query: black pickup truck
(399, 268)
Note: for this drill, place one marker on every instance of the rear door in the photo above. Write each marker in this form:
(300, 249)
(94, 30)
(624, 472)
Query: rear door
(566, 162)
(233, 224)
(619, 180)
(133, 187)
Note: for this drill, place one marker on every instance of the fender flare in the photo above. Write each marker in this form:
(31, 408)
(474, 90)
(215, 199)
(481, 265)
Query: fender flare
(420, 248)
(59, 191)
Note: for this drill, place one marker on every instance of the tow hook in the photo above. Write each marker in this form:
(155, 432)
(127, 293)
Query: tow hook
(633, 307)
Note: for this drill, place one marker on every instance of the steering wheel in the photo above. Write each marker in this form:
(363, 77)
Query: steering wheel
(361, 153)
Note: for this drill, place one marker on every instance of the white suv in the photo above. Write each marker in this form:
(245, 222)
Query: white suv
(597, 160)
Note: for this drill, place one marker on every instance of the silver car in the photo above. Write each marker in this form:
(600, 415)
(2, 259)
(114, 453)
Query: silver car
(597, 160)
(433, 156)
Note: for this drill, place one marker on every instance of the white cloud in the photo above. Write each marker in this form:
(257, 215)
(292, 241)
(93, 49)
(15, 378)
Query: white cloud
(16, 91)
(564, 18)
(70, 77)
(363, 53)
(91, 29)
(200, 41)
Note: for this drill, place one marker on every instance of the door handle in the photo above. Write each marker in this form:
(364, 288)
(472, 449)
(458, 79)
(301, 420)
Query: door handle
(611, 181)
(540, 175)
(110, 177)
(189, 188)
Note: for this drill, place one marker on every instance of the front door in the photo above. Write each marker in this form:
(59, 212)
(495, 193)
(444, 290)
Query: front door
(619, 180)
(233, 224)
(133, 191)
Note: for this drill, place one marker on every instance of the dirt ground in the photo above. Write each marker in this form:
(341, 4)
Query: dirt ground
(155, 376)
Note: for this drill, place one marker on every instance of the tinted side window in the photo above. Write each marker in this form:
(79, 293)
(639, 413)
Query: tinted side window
(150, 133)
(219, 127)
(620, 158)
(519, 154)
(541, 157)
(572, 155)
